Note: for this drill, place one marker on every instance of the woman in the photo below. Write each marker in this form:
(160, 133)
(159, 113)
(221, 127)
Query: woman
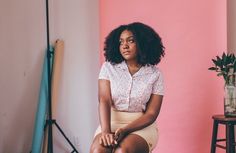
(130, 91)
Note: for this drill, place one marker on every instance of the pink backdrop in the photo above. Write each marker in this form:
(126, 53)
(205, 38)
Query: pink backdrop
(193, 32)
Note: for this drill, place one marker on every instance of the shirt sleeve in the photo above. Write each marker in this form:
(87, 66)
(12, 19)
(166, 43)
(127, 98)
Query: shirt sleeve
(158, 86)
(104, 72)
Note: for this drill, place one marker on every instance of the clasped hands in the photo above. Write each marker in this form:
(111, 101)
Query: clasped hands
(112, 139)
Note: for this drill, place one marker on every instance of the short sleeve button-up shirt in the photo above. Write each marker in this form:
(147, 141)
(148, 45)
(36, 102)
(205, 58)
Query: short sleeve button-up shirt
(132, 92)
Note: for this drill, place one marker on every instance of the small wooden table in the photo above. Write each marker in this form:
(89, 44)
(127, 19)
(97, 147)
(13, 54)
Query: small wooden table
(229, 123)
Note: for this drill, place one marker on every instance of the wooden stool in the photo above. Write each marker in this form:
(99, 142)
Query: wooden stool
(229, 123)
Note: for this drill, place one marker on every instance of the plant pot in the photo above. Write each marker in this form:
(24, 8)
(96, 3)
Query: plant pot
(230, 101)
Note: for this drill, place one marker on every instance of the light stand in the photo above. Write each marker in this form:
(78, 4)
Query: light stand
(51, 121)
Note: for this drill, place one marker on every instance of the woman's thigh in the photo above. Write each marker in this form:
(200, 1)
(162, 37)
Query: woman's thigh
(132, 144)
(97, 148)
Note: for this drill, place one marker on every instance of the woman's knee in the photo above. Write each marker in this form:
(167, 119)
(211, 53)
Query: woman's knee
(133, 144)
(99, 149)
(122, 150)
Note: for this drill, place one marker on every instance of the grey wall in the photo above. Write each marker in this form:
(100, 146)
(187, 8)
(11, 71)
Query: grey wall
(22, 47)
(231, 24)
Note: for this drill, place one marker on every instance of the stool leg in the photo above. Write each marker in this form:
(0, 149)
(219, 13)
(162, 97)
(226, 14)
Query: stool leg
(232, 141)
(228, 139)
(214, 137)
(233, 137)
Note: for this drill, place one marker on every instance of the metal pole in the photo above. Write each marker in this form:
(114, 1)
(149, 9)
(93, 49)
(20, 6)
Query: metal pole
(50, 135)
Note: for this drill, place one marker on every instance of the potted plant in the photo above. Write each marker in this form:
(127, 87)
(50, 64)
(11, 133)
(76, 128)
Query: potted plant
(226, 66)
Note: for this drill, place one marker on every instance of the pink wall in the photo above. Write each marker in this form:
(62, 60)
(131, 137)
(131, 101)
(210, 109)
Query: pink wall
(193, 32)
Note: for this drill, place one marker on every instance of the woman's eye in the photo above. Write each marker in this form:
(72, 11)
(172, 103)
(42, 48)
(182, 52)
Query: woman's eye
(131, 40)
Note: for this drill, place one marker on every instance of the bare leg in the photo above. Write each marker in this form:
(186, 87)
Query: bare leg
(97, 148)
(132, 144)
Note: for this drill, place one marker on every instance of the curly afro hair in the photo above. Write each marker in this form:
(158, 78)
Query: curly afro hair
(149, 44)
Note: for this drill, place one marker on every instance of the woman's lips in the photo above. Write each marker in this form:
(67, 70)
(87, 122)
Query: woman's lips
(126, 52)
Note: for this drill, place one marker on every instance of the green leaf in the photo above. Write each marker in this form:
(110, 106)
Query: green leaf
(226, 69)
(224, 59)
(228, 59)
(219, 63)
(214, 61)
(226, 78)
(218, 58)
(213, 68)
(232, 58)
(224, 55)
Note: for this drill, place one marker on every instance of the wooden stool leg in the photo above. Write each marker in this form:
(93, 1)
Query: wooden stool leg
(214, 137)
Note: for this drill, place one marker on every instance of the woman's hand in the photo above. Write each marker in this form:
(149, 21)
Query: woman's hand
(120, 133)
(107, 139)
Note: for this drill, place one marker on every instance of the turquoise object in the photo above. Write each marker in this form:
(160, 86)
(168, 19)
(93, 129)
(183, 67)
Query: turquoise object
(41, 114)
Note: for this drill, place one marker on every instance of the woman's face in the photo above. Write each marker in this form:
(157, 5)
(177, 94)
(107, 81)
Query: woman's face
(128, 47)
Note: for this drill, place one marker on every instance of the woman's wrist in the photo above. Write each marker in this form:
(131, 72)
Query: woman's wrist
(106, 131)
(126, 130)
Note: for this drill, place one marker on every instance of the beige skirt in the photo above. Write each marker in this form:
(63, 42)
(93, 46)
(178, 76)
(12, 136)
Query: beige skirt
(121, 119)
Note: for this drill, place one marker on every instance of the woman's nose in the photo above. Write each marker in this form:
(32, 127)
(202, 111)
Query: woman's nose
(125, 45)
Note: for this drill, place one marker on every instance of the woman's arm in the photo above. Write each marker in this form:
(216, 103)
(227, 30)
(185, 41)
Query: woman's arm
(104, 96)
(150, 115)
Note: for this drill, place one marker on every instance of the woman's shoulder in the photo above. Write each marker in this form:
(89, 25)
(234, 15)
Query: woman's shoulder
(107, 65)
(110, 65)
(155, 70)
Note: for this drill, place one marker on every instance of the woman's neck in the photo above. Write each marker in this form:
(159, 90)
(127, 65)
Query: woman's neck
(133, 64)
(133, 67)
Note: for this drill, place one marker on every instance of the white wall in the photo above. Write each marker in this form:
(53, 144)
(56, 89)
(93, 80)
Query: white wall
(22, 47)
(77, 22)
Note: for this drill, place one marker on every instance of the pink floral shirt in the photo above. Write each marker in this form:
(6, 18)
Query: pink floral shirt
(132, 92)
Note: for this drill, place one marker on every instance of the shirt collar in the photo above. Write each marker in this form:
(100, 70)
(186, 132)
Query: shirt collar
(142, 71)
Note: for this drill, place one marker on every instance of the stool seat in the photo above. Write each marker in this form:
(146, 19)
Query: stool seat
(224, 118)
(229, 123)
